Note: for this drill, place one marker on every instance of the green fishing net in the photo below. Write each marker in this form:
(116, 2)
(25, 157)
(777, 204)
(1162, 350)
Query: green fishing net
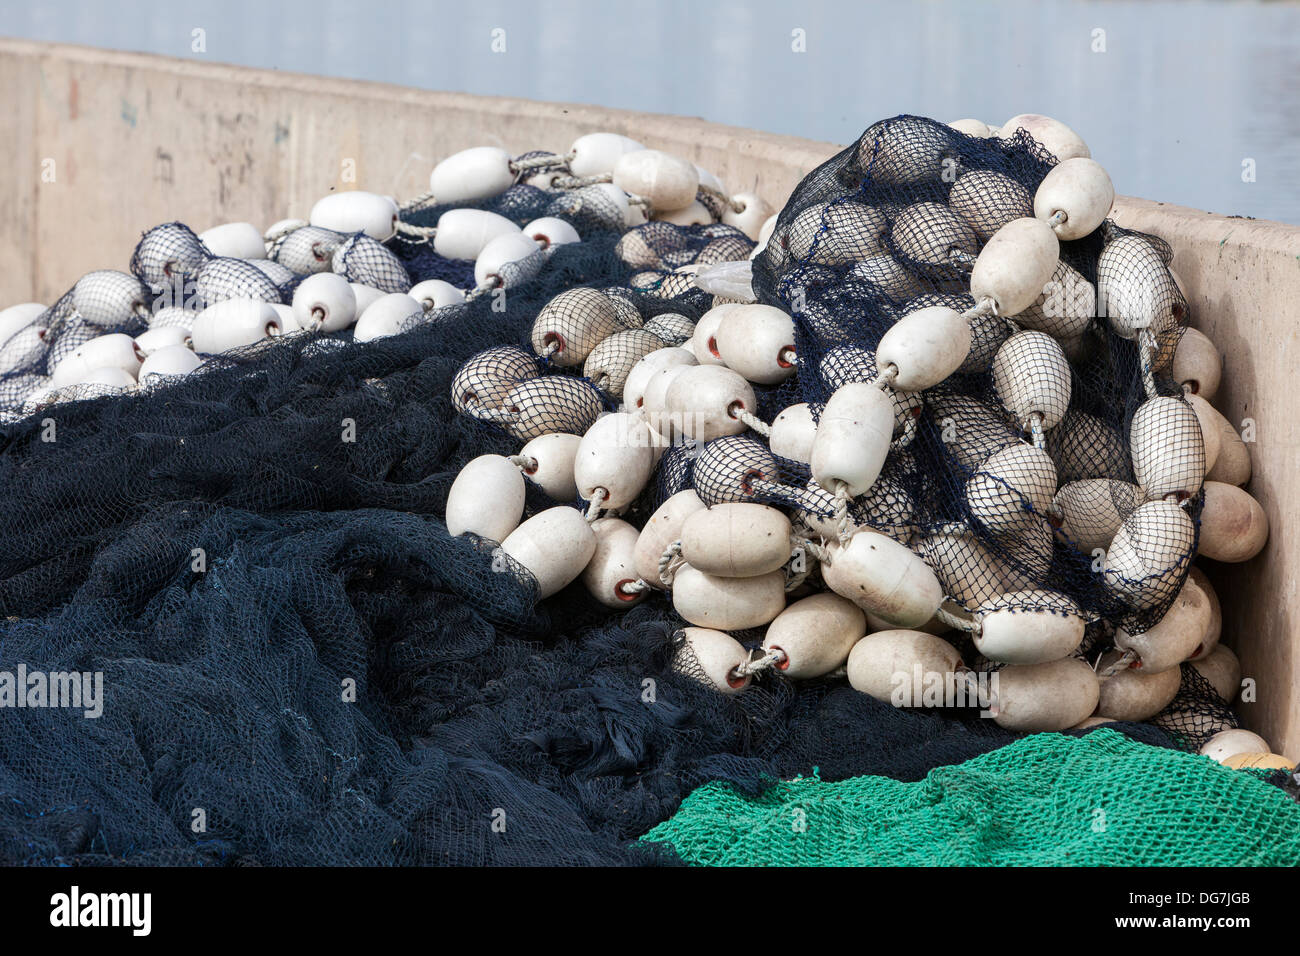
(1046, 800)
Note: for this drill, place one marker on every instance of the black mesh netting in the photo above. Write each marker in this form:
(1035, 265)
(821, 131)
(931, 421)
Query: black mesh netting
(301, 666)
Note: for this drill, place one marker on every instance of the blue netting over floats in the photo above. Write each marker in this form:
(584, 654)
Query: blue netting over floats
(292, 644)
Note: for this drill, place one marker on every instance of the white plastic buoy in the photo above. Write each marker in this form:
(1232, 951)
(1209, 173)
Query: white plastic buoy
(666, 181)
(887, 664)
(549, 231)
(925, 347)
(1032, 377)
(713, 658)
(747, 212)
(1214, 630)
(435, 293)
(1136, 693)
(18, 317)
(853, 436)
(356, 211)
(1175, 637)
(707, 400)
(463, 233)
(324, 302)
(1233, 465)
(513, 247)
(554, 403)
(1045, 697)
(888, 275)
(612, 567)
(972, 127)
(1015, 264)
(480, 172)
(1234, 527)
(670, 328)
(836, 235)
(1229, 743)
(932, 234)
(1061, 141)
(166, 362)
(696, 214)
(115, 350)
(793, 431)
(151, 341)
(880, 575)
(549, 464)
(1093, 509)
(570, 325)
(487, 377)
(1029, 627)
(1223, 671)
(736, 540)
(596, 154)
(235, 240)
(1075, 197)
(610, 363)
(385, 316)
(1134, 288)
(1168, 448)
(1064, 310)
(615, 459)
(638, 377)
(728, 604)
(1211, 432)
(308, 249)
(234, 323)
(660, 530)
(554, 545)
(486, 499)
(815, 635)
(1197, 364)
(758, 342)
(704, 338)
(1018, 477)
(108, 298)
(1148, 553)
(987, 200)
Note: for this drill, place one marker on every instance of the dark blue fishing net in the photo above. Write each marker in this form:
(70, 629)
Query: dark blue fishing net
(301, 666)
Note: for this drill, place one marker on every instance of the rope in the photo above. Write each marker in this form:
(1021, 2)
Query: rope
(273, 236)
(887, 377)
(811, 547)
(597, 496)
(985, 306)
(488, 285)
(970, 625)
(497, 415)
(415, 234)
(1058, 218)
(633, 587)
(669, 561)
(789, 356)
(1147, 350)
(910, 428)
(418, 202)
(730, 202)
(577, 182)
(518, 166)
(1121, 663)
(843, 524)
(757, 665)
(1036, 426)
(753, 421)
(796, 578)
(525, 463)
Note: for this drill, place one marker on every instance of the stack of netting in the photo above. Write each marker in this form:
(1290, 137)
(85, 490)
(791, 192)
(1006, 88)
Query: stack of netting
(300, 664)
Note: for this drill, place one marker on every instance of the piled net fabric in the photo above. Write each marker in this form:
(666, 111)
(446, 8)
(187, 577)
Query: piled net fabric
(1047, 800)
(292, 643)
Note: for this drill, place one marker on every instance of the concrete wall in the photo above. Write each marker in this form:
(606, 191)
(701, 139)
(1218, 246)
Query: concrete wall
(137, 140)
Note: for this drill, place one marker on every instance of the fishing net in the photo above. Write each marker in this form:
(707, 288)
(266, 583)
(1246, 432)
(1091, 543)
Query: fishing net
(300, 664)
(891, 225)
(1048, 800)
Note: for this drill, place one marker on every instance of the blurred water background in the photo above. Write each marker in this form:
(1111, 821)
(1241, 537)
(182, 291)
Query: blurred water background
(1176, 99)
